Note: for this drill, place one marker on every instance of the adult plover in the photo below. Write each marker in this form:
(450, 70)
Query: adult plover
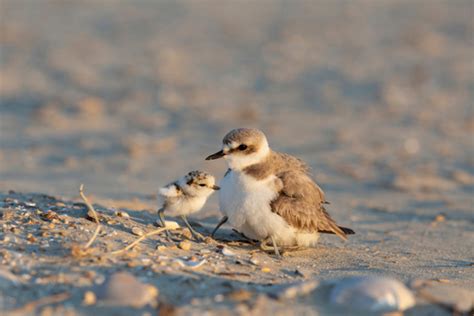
(270, 196)
(186, 196)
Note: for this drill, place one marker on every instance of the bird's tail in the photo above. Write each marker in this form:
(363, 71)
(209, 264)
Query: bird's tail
(339, 231)
(347, 231)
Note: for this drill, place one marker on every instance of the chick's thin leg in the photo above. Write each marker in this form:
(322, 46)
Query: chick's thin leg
(163, 223)
(195, 234)
(222, 222)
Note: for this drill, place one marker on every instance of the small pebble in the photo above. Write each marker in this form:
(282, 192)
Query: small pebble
(219, 298)
(89, 298)
(137, 231)
(186, 233)
(185, 245)
(266, 270)
(122, 214)
(31, 238)
(254, 260)
(169, 224)
(240, 295)
(208, 240)
(161, 248)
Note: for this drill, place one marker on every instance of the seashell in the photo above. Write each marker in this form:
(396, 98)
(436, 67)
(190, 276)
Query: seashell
(169, 224)
(372, 293)
(254, 260)
(137, 231)
(189, 263)
(122, 214)
(185, 245)
(227, 252)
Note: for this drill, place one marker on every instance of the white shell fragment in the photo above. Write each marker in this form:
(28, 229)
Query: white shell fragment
(122, 214)
(169, 224)
(227, 252)
(372, 293)
(190, 264)
(124, 289)
(137, 231)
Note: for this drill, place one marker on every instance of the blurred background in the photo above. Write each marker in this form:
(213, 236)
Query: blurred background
(126, 96)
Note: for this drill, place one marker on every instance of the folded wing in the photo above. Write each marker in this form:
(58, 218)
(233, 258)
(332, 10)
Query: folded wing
(300, 203)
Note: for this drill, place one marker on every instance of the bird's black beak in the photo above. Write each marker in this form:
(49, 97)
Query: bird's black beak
(217, 155)
(215, 187)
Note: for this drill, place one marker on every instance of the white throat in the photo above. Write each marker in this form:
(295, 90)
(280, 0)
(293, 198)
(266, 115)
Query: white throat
(239, 162)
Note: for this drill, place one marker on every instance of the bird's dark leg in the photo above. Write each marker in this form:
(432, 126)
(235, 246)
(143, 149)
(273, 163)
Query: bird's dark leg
(163, 223)
(245, 238)
(222, 222)
(195, 234)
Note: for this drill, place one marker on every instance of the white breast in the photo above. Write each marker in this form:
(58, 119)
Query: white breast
(184, 206)
(246, 201)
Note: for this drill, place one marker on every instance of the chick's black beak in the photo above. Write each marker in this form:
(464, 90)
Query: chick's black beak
(217, 155)
(215, 187)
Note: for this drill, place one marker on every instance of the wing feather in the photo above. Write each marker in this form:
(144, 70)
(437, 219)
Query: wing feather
(300, 203)
(170, 190)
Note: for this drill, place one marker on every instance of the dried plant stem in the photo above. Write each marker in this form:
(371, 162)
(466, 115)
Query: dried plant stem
(136, 242)
(92, 210)
(31, 306)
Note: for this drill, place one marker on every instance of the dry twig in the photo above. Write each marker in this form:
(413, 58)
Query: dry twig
(136, 242)
(94, 213)
(31, 306)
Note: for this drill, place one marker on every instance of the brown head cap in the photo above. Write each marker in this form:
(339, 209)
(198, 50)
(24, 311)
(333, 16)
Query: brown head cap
(244, 135)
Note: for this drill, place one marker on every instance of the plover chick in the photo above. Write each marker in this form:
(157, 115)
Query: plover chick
(186, 196)
(270, 196)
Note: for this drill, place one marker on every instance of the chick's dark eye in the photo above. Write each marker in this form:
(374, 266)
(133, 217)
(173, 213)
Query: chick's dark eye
(242, 147)
(202, 185)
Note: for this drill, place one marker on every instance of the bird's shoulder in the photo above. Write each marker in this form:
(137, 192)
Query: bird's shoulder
(276, 163)
(298, 184)
(286, 162)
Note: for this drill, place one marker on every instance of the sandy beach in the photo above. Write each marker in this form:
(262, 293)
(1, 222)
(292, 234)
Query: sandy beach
(124, 97)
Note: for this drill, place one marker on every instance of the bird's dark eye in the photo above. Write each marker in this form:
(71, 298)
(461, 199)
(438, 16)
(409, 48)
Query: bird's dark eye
(202, 185)
(242, 147)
